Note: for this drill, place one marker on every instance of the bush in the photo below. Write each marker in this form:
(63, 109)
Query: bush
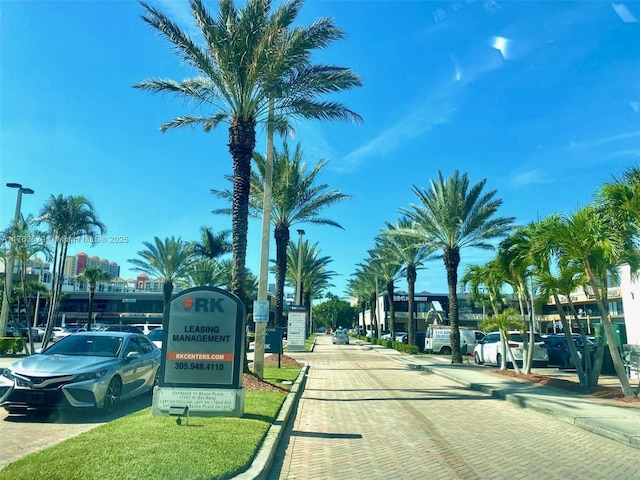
(10, 345)
(399, 346)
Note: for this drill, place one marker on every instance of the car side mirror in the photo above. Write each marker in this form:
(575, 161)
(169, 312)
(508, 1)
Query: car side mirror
(133, 356)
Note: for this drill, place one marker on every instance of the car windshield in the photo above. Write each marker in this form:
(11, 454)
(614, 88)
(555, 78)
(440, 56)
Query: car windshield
(517, 337)
(86, 345)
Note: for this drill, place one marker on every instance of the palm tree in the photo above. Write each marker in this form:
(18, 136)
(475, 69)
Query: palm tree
(67, 219)
(212, 245)
(368, 283)
(597, 239)
(358, 291)
(387, 267)
(452, 216)
(514, 258)
(31, 243)
(208, 272)
(503, 322)
(316, 277)
(252, 68)
(412, 254)
(93, 274)
(170, 260)
(296, 198)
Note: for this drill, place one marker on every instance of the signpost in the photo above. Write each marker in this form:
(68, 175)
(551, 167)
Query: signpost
(203, 347)
(296, 334)
(273, 342)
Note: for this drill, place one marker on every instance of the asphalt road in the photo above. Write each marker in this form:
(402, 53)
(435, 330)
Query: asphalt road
(364, 415)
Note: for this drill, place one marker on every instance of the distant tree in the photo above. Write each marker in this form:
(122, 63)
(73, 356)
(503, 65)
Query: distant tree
(411, 254)
(67, 219)
(387, 266)
(93, 274)
(212, 245)
(335, 313)
(170, 260)
(297, 197)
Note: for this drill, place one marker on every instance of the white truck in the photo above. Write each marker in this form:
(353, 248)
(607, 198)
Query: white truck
(438, 339)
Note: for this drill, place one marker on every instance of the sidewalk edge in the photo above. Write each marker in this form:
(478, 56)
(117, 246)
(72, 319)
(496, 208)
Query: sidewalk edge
(522, 401)
(264, 458)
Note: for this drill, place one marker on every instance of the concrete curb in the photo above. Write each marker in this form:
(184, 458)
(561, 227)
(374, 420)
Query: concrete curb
(264, 458)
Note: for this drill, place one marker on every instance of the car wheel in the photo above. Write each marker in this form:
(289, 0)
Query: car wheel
(445, 351)
(112, 398)
(156, 378)
(476, 359)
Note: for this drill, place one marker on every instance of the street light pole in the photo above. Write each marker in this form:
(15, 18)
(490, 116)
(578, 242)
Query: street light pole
(299, 283)
(8, 268)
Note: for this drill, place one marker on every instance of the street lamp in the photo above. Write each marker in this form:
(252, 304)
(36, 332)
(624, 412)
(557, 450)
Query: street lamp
(8, 268)
(299, 284)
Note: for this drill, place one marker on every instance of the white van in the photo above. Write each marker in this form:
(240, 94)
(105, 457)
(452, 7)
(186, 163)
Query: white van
(438, 339)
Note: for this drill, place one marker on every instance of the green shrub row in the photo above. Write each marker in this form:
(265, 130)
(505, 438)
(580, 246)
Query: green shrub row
(10, 345)
(399, 346)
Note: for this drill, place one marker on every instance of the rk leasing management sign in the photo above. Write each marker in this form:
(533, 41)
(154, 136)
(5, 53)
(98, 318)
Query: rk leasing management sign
(203, 350)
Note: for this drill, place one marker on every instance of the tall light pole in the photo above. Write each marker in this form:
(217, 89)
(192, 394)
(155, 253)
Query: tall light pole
(299, 284)
(8, 268)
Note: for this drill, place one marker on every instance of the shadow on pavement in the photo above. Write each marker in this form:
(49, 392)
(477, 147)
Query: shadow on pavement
(69, 416)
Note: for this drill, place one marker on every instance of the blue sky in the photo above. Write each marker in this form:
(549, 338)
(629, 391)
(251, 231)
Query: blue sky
(540, 98)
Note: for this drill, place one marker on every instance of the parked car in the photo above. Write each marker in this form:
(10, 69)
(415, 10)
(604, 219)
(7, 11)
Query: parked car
(340, 337)
(123, 328)
(402, 337)
(489, 350)
(438, 339)
(83, 370)
(558, 349)
(62, 332)
(156, 336)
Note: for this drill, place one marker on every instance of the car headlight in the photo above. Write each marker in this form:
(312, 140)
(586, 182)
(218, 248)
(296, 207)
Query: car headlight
(6, 373)
(83, 377)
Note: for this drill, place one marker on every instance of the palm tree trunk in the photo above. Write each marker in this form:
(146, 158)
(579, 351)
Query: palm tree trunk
(281, 235)
(451, 262)
(242, 141)
(608, 333)
(92, 291)
(392, 311)
(411, 284)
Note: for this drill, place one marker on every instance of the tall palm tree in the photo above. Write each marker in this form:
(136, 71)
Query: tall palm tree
(170, 260)
(358, 291)
(412, 254)
(369, 283)
(67, 219)
(387, 266)
(92, 275)
(251, 68)
(453, 215)
(32, 242)
(297, 198)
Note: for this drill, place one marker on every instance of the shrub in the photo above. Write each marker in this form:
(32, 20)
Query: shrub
(10, 345)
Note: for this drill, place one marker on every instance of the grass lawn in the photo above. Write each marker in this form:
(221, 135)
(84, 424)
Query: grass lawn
(141, 446)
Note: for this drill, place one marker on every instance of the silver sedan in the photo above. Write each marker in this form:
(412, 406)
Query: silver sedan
(83, 370)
